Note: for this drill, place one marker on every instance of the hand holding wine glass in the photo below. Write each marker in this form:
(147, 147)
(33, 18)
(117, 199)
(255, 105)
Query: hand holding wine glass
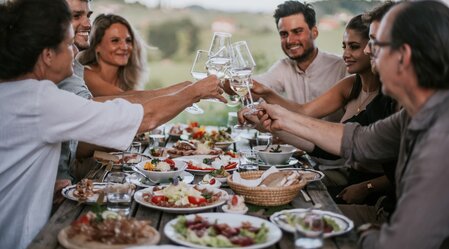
(242, 66)
(220, 54)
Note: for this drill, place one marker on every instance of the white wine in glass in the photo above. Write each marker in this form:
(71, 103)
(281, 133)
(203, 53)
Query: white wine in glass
(241, 68)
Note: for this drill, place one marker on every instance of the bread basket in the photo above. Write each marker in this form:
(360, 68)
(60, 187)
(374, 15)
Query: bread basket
(265, 196)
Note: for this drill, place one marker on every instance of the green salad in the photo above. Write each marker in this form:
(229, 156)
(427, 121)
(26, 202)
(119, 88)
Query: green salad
(201, 232)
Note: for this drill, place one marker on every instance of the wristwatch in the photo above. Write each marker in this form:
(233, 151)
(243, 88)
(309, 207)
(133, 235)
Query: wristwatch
(370, 186)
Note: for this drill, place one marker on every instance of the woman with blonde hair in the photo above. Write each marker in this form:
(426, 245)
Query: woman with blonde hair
(116, 59)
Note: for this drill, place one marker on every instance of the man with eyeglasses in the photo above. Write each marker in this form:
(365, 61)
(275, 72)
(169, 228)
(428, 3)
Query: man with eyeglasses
(412, 57)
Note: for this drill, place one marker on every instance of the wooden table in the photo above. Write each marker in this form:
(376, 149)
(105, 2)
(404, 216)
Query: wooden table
(69, 211)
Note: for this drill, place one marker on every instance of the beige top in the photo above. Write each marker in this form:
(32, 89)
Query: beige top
(303, 86)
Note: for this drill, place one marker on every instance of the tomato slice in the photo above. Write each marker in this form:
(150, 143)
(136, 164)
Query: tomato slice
(82, 220)
(170, 162)
(234, 200)
(212, 181)
(158, 198)
(194, 167)
(231, 165)
(196, 200)
(231, 154)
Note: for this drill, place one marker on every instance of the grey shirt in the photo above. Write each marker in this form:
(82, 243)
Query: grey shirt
(421, 144)
(74, 84)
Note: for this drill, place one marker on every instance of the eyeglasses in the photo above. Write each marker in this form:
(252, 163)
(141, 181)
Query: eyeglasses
(375, 46)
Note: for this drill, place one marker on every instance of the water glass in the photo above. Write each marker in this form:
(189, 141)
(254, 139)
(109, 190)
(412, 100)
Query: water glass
(309, 231)
(232, 119)
(248, 161)
(135, 147)
(119, 193)
(157, 137)
(264, 138)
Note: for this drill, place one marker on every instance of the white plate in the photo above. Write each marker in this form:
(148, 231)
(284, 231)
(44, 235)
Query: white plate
(318, 174)
(291, 162)
(234, 220)
(67, 192)
(138, 196)
(136, 179)
(344, 223)
(159, 247)
(200, 159)
(223, 145)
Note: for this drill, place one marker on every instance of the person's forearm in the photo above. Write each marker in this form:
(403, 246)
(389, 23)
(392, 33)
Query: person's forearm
(160, 110)
(324, 134)
(296, 141)
(135, 96)
(380, 184)
(272, 97)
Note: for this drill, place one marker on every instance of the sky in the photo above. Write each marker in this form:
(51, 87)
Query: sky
(227, 5)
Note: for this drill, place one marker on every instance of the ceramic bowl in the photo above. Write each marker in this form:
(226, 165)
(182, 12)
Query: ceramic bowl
(275, 158)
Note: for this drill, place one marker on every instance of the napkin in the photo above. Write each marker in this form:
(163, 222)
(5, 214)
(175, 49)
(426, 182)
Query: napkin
(252, 182)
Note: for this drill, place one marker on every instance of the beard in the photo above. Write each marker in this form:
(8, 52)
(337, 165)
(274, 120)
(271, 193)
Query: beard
(306, 55)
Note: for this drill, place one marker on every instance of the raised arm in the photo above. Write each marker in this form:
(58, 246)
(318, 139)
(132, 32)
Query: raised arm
(145, 95)
(329, 102)
(325, 134)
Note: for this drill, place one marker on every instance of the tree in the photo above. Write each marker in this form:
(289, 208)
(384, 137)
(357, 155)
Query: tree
(169, 35)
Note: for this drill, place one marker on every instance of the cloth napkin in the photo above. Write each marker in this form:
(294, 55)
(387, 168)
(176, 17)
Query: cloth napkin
(252, 182)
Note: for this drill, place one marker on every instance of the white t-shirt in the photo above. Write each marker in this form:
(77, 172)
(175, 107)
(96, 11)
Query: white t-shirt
(304, 86)
(35, 116)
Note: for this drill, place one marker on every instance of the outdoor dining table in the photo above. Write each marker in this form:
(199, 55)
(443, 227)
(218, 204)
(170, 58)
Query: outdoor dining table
(70, 210)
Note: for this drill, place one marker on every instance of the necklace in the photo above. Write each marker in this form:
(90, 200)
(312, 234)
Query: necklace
(362, 101)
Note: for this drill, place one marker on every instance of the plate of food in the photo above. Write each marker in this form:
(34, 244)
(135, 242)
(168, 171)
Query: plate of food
(107, 230)
(290, 163)
(310, 175)
(203, 164)
(209, 180)
(181, 198)
(334, 224)
(192, 147)
(230, 230)
(84, 191)
(117, 158)
(140, 181)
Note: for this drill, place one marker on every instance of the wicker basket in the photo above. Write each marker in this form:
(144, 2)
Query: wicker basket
(265, 196)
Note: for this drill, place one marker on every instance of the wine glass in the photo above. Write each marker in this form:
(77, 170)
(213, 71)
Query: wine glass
(220, 54)
(248, 161)
(199, 68)
(309, 229)
(198, 72)
(241, 68)
(157, 136)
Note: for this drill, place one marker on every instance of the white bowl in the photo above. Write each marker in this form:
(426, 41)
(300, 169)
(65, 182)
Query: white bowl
(158, 176)
(223, 145)
(275, 158)
(217, 184)
(227, 210)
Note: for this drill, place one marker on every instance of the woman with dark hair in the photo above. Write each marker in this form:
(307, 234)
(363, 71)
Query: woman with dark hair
(354, 94)
(36, 53)
(116, 59)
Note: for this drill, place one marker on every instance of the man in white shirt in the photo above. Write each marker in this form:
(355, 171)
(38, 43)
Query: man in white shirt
(307, 72)
(35, 53)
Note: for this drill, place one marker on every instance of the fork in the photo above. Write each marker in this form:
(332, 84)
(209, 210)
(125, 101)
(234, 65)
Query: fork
(268, 146)
(107, 170)
(100, 198)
